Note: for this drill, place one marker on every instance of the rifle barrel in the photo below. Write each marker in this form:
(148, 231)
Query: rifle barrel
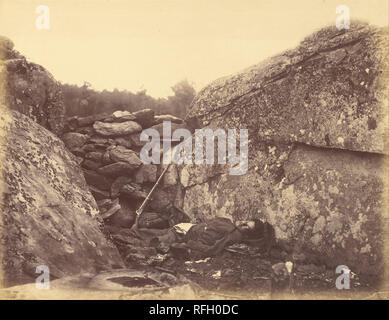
(141, 208)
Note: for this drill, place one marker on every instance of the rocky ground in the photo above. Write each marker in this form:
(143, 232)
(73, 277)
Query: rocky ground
(239, 272)
(245, 272)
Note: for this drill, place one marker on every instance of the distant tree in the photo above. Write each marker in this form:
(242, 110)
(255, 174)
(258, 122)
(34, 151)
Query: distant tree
(83, 100)
(184, 93)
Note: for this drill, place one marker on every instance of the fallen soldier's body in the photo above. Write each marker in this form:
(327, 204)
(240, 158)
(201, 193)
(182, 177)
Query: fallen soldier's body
(207, 238)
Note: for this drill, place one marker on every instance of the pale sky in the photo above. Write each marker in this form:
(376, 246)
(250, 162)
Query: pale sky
(149, 44)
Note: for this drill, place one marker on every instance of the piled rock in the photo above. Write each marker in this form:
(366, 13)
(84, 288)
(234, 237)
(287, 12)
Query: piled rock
(107, 147)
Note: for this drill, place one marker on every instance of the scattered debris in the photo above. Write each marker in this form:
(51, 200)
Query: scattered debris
(217, 275)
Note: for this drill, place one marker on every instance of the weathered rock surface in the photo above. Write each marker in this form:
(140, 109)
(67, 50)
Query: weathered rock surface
(318, 126)
(331, 91)
(88, 120)
(117, 169)
(118, 184)
(144, 117)
(48, 214)
(111, 211)
(121, 153)
(133, 191)
(30, 89)
(120, 217)
(124, 142)
(94, 179)
(116, 129)
(146, 173)
(74, 140)
(91, 165)
(112, 166)
(167, 117)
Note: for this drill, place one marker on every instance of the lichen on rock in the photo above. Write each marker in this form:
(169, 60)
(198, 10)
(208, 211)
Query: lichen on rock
(48, 216)
(317, 117)
(30, 89)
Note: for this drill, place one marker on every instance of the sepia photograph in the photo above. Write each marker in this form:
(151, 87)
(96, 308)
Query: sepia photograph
(194, 150)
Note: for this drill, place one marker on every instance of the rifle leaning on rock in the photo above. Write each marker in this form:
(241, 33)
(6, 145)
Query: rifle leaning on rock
(144, 203)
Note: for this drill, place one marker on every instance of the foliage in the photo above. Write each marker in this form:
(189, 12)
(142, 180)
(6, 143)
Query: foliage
(83, 101)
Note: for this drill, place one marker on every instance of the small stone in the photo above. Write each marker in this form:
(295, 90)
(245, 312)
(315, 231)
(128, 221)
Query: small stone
(146, 173)
(167, 117)
(228, 273)
(135, 140)
(86, 121)
(90, 164)
(116, 169)
(106, 159)
(120, 116)
(96, 156)
(98, 194)
(79, 160)
(85, 130)
(123, 154)
(74, 140)
(152, 220)
(171, 176)
(97, 180)
(99, 141)
(133, 191)
(105, 204)
(121, 218)
(111, 211)
(144, 117)
(280, 269)
(89, 148)
(289, 266)
(118, 184)
(125, 142)
(79, 152)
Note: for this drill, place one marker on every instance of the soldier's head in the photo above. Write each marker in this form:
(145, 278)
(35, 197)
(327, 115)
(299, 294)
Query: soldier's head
(244, 225)
(251, 229)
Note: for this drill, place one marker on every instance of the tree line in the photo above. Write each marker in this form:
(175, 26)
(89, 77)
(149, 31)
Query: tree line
(84, 101)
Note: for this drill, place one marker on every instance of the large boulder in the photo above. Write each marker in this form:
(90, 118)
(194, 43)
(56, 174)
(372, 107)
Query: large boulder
(331, 91)
(6, 48)
(317, 118)
(48, 216)
(74, 140)
(30, 89)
